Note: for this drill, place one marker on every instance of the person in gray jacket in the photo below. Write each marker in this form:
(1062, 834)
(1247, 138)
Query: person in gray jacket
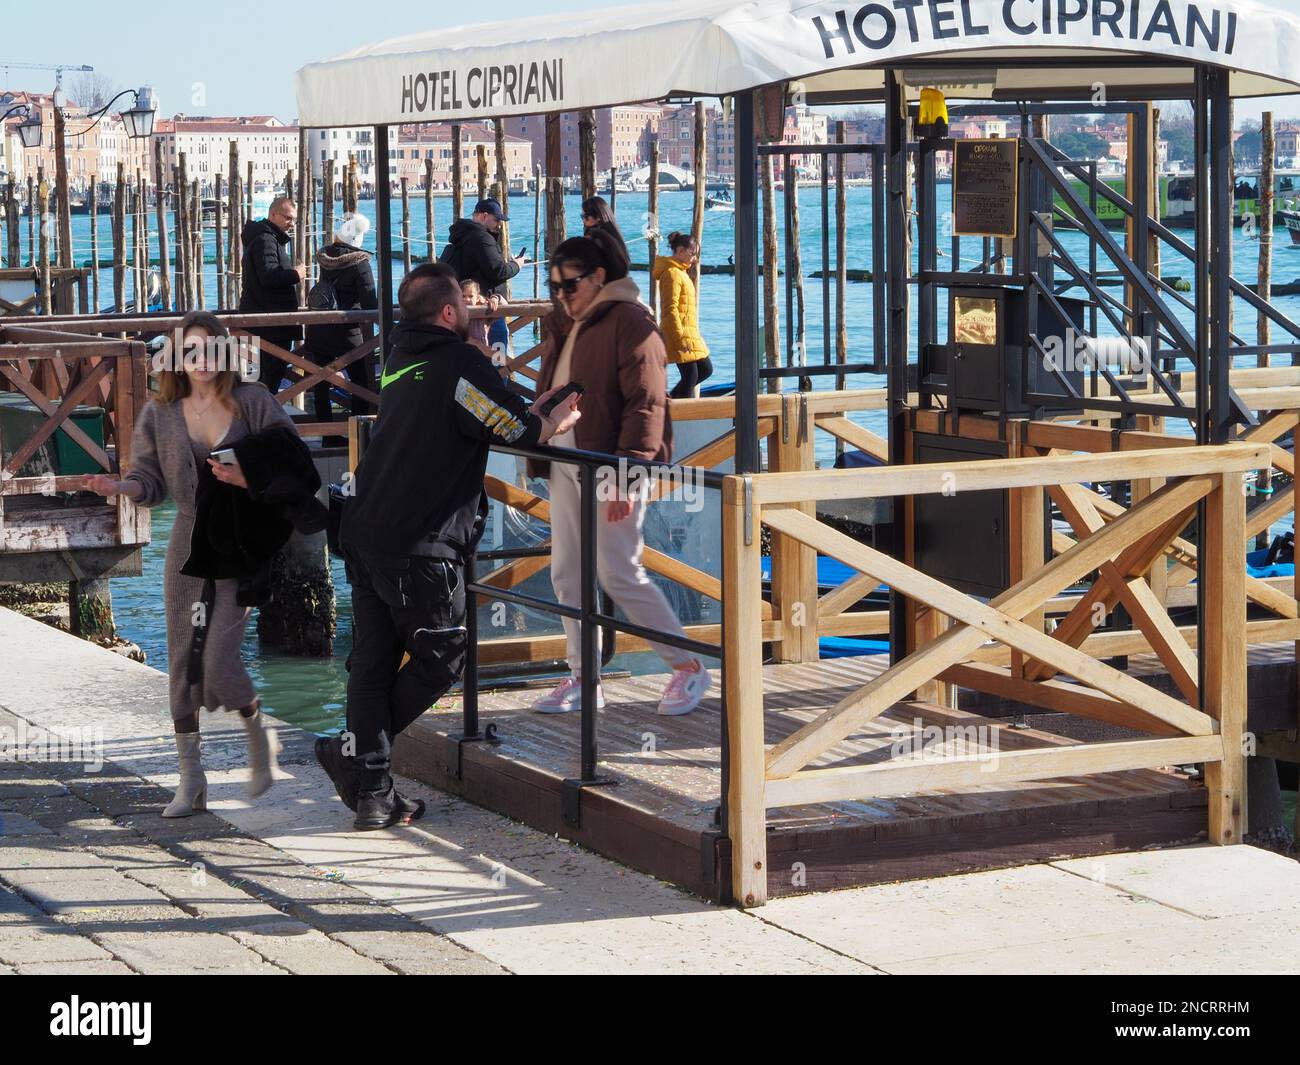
(200, 407)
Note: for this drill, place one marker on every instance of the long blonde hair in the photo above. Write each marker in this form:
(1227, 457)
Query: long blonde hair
(174, 383)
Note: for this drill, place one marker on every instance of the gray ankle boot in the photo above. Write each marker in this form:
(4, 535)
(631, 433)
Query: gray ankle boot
(263, 746)
(192, 791)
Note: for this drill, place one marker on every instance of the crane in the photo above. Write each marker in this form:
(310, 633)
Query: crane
(58, 69)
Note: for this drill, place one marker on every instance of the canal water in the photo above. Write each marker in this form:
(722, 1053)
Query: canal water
(310, 692)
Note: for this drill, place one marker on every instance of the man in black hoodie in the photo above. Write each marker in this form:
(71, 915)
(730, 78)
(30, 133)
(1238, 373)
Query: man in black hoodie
(475, 250)
(270, 282)
(416, 516)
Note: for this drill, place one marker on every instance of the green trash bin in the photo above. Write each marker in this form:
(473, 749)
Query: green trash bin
(60, 454)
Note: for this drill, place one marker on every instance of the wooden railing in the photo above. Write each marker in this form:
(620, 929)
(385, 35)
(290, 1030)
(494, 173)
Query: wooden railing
(304, 375)
(1205, 726)
(57, 372)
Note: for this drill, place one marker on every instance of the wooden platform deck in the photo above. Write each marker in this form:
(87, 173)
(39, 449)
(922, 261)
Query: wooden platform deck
(658, 816)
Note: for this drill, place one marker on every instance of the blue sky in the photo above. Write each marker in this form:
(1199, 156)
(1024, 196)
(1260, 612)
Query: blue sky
(242, 53)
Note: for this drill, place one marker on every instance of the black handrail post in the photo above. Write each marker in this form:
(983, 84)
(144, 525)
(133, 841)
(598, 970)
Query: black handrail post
(469, 687)
(383, 241)
(590, 656)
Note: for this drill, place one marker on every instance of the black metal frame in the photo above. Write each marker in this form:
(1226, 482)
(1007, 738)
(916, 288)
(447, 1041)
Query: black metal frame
(801, 369)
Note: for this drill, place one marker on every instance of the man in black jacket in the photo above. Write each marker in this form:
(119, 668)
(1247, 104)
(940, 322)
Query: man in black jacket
(416, 516)
(270, 282)
(475, 251)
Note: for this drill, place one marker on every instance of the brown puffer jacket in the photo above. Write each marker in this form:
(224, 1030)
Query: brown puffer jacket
(620, 361)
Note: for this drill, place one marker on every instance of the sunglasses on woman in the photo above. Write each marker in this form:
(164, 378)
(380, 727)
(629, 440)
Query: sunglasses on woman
(569, 285)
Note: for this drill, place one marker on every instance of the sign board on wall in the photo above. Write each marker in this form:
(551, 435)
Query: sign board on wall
(984, 187)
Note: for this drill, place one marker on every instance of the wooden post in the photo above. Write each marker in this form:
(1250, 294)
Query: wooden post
(196, 222)
(1224, 656)
(587, 151)
(249, 189)
(301, 253)
(701, 185)
(406, 226)
(1263, 332)
(94, 241)
(431, 252)
(138, 244)
(613, 190)
(327, 203)
(223, 282)
(160, 216)
(742, 590)
(554, 185)
(1027, 507)
(184, 274)
(12, 235)
(503, 189)
(61, 189)
(43, 203)
(794, 565)
(119, 249)
(480, 156)
(457, 174)
(537, 240)
(31, 219)
(652, 223)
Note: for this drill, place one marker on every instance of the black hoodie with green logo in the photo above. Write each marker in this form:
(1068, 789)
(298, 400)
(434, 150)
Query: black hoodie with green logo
(419, 487)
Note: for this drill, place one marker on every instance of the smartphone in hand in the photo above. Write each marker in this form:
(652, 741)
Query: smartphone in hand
(571, 389)
(225, 456)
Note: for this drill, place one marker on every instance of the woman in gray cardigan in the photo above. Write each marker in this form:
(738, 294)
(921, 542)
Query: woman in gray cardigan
(200, 406)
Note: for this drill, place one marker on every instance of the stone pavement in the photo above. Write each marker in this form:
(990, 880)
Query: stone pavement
(92, 879)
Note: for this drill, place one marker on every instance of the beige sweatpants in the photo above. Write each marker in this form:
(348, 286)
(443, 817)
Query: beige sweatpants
(618, 568)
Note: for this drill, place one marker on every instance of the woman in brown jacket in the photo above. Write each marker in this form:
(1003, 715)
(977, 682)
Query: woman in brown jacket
(616, 352)
(201, 405)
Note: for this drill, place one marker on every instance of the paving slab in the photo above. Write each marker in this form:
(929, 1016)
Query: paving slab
(1206, 881)
(1236, 946)
(111, 967)
(182, 953)
(889, 924)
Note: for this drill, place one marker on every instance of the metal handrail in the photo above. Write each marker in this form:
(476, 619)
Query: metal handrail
(588, 613)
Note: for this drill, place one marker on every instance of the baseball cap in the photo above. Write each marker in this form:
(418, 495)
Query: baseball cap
(491, 206)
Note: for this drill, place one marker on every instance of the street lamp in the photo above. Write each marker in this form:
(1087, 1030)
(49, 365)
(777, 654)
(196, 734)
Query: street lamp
(29, 129)
(139, 119)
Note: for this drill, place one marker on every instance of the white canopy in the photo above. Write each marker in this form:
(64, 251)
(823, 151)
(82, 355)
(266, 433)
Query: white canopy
(999, 49)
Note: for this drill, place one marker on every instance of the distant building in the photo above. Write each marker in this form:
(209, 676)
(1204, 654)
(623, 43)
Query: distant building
(263, 140)
(338, 144)
(410, 146)
(623, 136)
(1286, 141)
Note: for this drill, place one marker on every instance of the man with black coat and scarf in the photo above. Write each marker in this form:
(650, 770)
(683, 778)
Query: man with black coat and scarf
(270, 283)
(407, 532)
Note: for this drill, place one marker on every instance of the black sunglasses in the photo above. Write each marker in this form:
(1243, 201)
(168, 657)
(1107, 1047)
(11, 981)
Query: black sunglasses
(569, 284)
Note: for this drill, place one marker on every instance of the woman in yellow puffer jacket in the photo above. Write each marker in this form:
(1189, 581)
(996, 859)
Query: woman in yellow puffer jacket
(679, 317)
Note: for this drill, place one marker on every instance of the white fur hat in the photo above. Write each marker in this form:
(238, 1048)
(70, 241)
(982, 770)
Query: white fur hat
(353, 229)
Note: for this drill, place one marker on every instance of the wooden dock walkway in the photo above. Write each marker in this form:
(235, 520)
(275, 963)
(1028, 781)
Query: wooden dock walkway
(659, 814)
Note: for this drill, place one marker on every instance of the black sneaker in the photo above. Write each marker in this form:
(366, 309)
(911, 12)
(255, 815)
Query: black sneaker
(383, 809)
(339, 767)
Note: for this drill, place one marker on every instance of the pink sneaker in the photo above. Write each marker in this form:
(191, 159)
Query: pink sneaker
(566, 696)
(685, 690)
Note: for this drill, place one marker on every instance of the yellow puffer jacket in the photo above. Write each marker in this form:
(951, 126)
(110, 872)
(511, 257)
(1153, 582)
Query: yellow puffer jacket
(679, 316)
